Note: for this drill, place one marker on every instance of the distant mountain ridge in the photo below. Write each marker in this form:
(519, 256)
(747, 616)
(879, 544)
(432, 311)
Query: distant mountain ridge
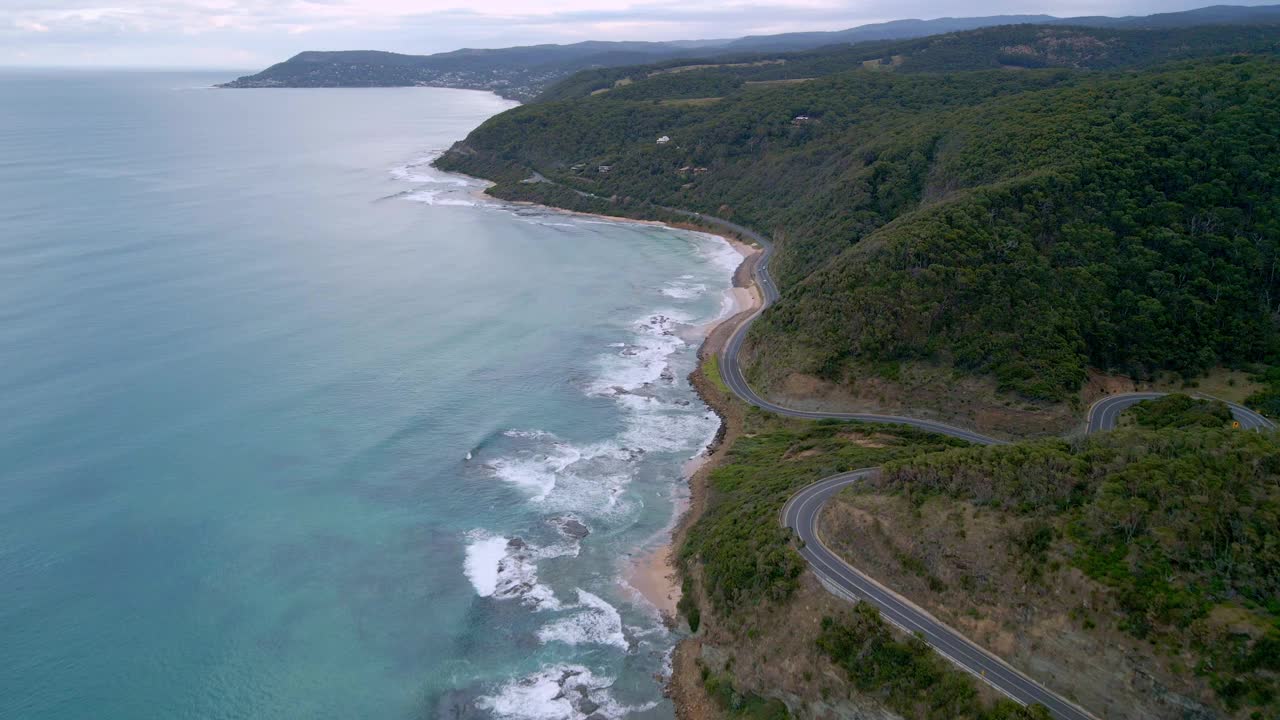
(524, 72)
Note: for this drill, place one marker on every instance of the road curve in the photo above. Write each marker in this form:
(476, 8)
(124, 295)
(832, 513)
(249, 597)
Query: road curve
(801, 513)
(731, 370)
(1104, 413)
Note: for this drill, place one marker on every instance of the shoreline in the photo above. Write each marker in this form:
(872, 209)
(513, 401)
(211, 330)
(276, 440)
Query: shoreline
(652, 572)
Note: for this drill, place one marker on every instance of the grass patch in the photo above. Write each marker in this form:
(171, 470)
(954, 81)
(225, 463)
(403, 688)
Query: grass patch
(711, 371)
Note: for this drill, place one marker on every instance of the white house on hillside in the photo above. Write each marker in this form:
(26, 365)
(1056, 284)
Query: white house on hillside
(664, 140)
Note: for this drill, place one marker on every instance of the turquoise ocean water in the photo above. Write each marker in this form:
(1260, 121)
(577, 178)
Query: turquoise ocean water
(248, 340)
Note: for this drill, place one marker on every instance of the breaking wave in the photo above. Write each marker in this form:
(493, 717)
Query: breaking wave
(597, 622)
(420, 171)
(557, 692)
(507, 568)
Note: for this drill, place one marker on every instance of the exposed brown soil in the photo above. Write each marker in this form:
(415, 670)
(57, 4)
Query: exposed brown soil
(771, 653)
(924, 390)
(927, 391)
(962, 564)
(686, 690)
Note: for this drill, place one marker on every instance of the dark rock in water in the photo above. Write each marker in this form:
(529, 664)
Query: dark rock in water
(569, 526)
(597, 716)
(516, 543)
(575, 529)
(458, 705)
(586, 705)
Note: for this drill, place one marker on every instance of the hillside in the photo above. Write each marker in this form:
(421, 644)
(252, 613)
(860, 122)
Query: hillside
(1134, 570)
(1005, 47)
(766, 629)
(1018, 225)
(518, 73)
(524, 72)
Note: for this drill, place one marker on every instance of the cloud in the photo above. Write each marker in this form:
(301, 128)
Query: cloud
(245, 32)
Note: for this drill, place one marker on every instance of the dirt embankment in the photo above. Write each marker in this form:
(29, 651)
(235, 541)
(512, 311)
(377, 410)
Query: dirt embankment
(1041, 614)
(925, 390)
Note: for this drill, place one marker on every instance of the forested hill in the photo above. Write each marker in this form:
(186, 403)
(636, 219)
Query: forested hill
(1022, 224)
(524, 72)
(1004, 47)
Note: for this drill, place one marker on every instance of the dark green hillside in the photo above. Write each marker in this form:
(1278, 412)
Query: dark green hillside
(1004, 47)
(1128, 224)
(525, 72)
(1023, 224)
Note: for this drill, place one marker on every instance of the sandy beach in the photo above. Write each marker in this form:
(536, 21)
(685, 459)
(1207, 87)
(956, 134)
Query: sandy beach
(652, 573)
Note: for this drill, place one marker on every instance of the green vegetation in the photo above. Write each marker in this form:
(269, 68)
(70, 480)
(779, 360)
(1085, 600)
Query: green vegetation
(738, 706)
(1180, 411)
(1009, 46)
(1267, 400)
(907, 675)
(525, 72)
(711, 371)
(745, 554)
(1020, 224)
(1180, 524)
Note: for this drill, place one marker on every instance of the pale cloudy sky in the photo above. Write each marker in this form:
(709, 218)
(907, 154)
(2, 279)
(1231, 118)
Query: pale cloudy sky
(250, 34)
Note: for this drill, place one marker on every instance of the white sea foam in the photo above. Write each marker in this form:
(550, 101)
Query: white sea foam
(644, 360)
(537, 472)
(506, 569)
(719, 252)
(419, 170)
(655, 427)
(528, 434)
(556, 692)
(440, 198)
(684, 290)
(481, 566)
(596, 622)
(564, 477)
(592, 478)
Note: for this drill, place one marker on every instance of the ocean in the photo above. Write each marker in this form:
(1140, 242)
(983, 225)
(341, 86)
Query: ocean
(293, 425)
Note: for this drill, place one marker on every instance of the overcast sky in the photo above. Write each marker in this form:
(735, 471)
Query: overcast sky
(250, 34)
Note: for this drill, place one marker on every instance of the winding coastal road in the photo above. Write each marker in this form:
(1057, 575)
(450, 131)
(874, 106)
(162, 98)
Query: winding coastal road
(801, 513)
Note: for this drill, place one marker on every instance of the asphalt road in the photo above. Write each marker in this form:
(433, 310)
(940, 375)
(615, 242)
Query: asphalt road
(1104, 413)
(802, 511)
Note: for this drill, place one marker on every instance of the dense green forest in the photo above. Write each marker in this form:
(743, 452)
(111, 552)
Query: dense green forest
(1177, 522)
(525, 72)
(1008, 47)
(1020, 223)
